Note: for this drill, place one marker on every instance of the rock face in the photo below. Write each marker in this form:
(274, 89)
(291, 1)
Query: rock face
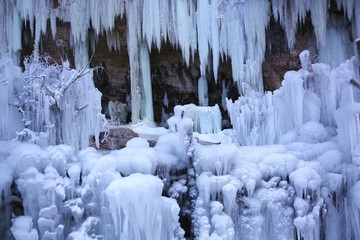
(279, 58)
(168, 70)
(116, 138)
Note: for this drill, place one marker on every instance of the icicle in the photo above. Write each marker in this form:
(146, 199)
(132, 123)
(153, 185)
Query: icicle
(151, 23)
(243, 22)
(147, 100)
(224, 93)
(133, 27)
(166, 100)
(215, 38)
(290, 13)
(113, 40)
(356, 24)
(318, 19)
(183, 28)
(203, 31)
(203, 92)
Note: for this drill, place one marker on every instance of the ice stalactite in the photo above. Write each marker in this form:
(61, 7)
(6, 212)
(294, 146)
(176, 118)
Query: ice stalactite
(224, 94)
(337, 47)
(38, 14)
(10, 40)
(351, 8)
(319, 17)
(214, 29)
(184, 32)
(86, 15)
(241, 21)
(203, 30)
(146, 99)
(289, 13)
(151, 28)
(203, 92)
(134, 32)
(141, 89)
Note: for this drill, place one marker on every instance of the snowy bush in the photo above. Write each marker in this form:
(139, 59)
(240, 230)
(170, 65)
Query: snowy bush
(56, 104)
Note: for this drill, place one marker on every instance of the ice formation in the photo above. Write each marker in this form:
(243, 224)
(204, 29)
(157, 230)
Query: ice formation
(54, 104)
(138, 209)
(203, 92)
(206, 119)
(298, 188)
(213, 29)
(287, 170)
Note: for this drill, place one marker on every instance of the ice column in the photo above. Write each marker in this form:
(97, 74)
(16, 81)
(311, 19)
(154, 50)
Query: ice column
(203, 92)
(139, 211)
(206, 119)
(133, 35)
(10, 119)
(254, 119)
(146, 99)
(336, 49)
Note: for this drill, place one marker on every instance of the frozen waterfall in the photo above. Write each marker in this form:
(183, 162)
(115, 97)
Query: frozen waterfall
(214, 29)
(288, 168)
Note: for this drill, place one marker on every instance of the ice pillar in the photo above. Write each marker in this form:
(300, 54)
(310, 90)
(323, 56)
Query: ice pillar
(146, 99)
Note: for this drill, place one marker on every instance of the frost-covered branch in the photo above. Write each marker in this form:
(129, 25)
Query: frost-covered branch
(78, 109)
(80, 74)
(41, 96)
(26, 123)
(355, 83)
(3, 82)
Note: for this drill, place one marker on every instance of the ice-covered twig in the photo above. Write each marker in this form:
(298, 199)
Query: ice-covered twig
(78, 109)
(26, 123)
(3, 82)
(80, 74)
(355, 83)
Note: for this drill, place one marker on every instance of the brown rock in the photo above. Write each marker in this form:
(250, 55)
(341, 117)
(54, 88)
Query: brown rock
(116, 138)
